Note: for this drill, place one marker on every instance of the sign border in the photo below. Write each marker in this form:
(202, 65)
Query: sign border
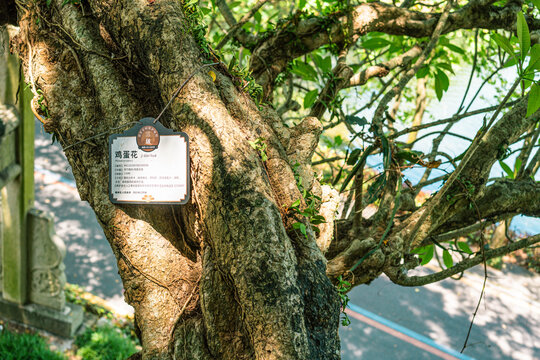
(162, 130)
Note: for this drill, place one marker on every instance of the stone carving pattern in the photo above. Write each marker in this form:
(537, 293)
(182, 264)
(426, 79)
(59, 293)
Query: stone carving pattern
(47, 252)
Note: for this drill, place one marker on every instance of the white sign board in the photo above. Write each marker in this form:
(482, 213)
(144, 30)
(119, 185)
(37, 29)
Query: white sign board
(149, 164)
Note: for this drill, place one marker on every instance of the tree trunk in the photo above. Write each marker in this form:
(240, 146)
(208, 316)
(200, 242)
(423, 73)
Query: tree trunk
(224, 276)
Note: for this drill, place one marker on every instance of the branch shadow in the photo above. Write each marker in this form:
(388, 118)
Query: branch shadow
(506, 326)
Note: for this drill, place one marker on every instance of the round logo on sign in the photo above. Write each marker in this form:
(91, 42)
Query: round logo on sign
(148, 138)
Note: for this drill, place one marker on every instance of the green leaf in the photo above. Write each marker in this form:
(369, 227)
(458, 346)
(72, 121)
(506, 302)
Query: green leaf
(205, 10)
(295, 204)
(418, 250)
(375, 43)
(536, 3)
(387, 151)
(426, 258)
(510, 62)
(317, 59)
(534, 61)
(310, 98)
(301, 4)
(446, 66)
(422, 72)
(356, 120)
(503, 43)
(445, 82)
(345, 321)
(257, 16)
(463, 246)
(318, 219)
(376, 188)
(441, 83)
(305, 71)
(232, 63)
(447, 259)
(354, 156)
(438, 88)
(523, 35)
(507, 169)
(428, 255)
(455, 48)
(534, 99)
(425, 253)
(325, 64)
(302, 228)
(517, 166)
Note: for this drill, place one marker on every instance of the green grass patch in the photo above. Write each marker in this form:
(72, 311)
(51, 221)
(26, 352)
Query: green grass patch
(25, 347)
(105, 343)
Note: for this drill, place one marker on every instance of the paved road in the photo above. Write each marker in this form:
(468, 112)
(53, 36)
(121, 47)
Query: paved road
(507, 325)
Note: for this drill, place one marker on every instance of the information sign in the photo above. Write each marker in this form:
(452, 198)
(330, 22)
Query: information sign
(149, 164)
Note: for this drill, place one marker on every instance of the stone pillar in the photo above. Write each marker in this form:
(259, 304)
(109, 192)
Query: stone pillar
(31, 254)
(46, 252)
(14, 249)
(10, 226)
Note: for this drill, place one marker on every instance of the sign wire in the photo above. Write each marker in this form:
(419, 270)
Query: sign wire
(181, 87)
(156, 119)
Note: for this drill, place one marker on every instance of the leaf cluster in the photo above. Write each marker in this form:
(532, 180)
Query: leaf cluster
(310, 210)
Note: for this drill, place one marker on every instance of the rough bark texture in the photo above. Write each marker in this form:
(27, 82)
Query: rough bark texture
(263, 293)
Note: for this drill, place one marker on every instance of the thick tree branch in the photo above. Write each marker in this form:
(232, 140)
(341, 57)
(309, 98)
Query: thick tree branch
(382, 69)
(401, 278)
(226, 12)
(501, 198)
(299, 37)
(341, 74)
(244, 38)
(343, 77)
(421, 105)
(450, 235)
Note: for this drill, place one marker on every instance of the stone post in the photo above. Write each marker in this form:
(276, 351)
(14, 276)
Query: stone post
(13, 153)
(46, 252)
(32, 268)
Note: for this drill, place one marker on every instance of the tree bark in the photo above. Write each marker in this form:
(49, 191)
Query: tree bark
(225, 276)
(421, 104)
